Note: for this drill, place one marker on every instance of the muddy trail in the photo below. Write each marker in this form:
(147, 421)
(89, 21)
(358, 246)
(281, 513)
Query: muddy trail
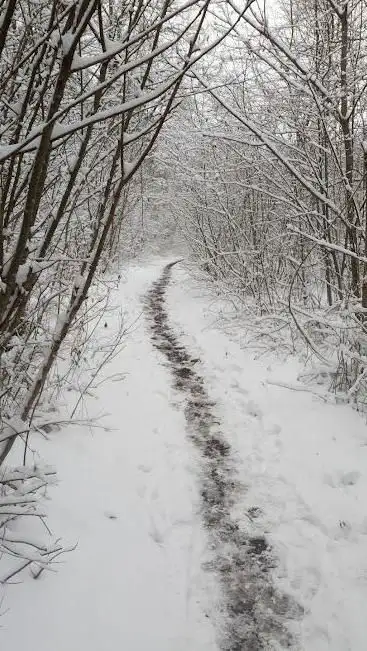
(254, 613)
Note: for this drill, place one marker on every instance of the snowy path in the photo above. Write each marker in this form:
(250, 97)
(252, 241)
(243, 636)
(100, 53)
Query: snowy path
(292, 468)
(133, 582)
(253, 611)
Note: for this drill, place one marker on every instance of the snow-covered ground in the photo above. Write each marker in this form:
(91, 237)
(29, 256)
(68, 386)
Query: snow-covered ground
(129, 498)
(304, 463)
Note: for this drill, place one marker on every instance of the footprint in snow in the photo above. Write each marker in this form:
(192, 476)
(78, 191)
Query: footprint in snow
(241, 390)
(144, 468)
(342, 530)
(253, 409)
(274, 430)
(343, 479)
(350, 478)
(110, 515)
(156, 534)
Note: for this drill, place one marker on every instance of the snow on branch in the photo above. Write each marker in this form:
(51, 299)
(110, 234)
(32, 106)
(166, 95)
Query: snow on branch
(19, 490)
(326, 244)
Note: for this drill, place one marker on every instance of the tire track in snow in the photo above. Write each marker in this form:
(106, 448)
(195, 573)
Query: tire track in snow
(254, 611)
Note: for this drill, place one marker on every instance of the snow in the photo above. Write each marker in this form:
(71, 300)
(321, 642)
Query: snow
(112, 48)
(67, 41)
(128, 167)
(128, 495)
(127, 498)
(304, 464)
(22, 274)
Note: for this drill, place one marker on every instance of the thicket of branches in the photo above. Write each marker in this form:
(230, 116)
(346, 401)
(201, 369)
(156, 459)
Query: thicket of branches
(275, 202)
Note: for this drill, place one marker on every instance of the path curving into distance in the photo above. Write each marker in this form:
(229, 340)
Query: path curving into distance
(254, 612)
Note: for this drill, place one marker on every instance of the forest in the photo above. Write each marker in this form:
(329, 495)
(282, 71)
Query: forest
(231, 131)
